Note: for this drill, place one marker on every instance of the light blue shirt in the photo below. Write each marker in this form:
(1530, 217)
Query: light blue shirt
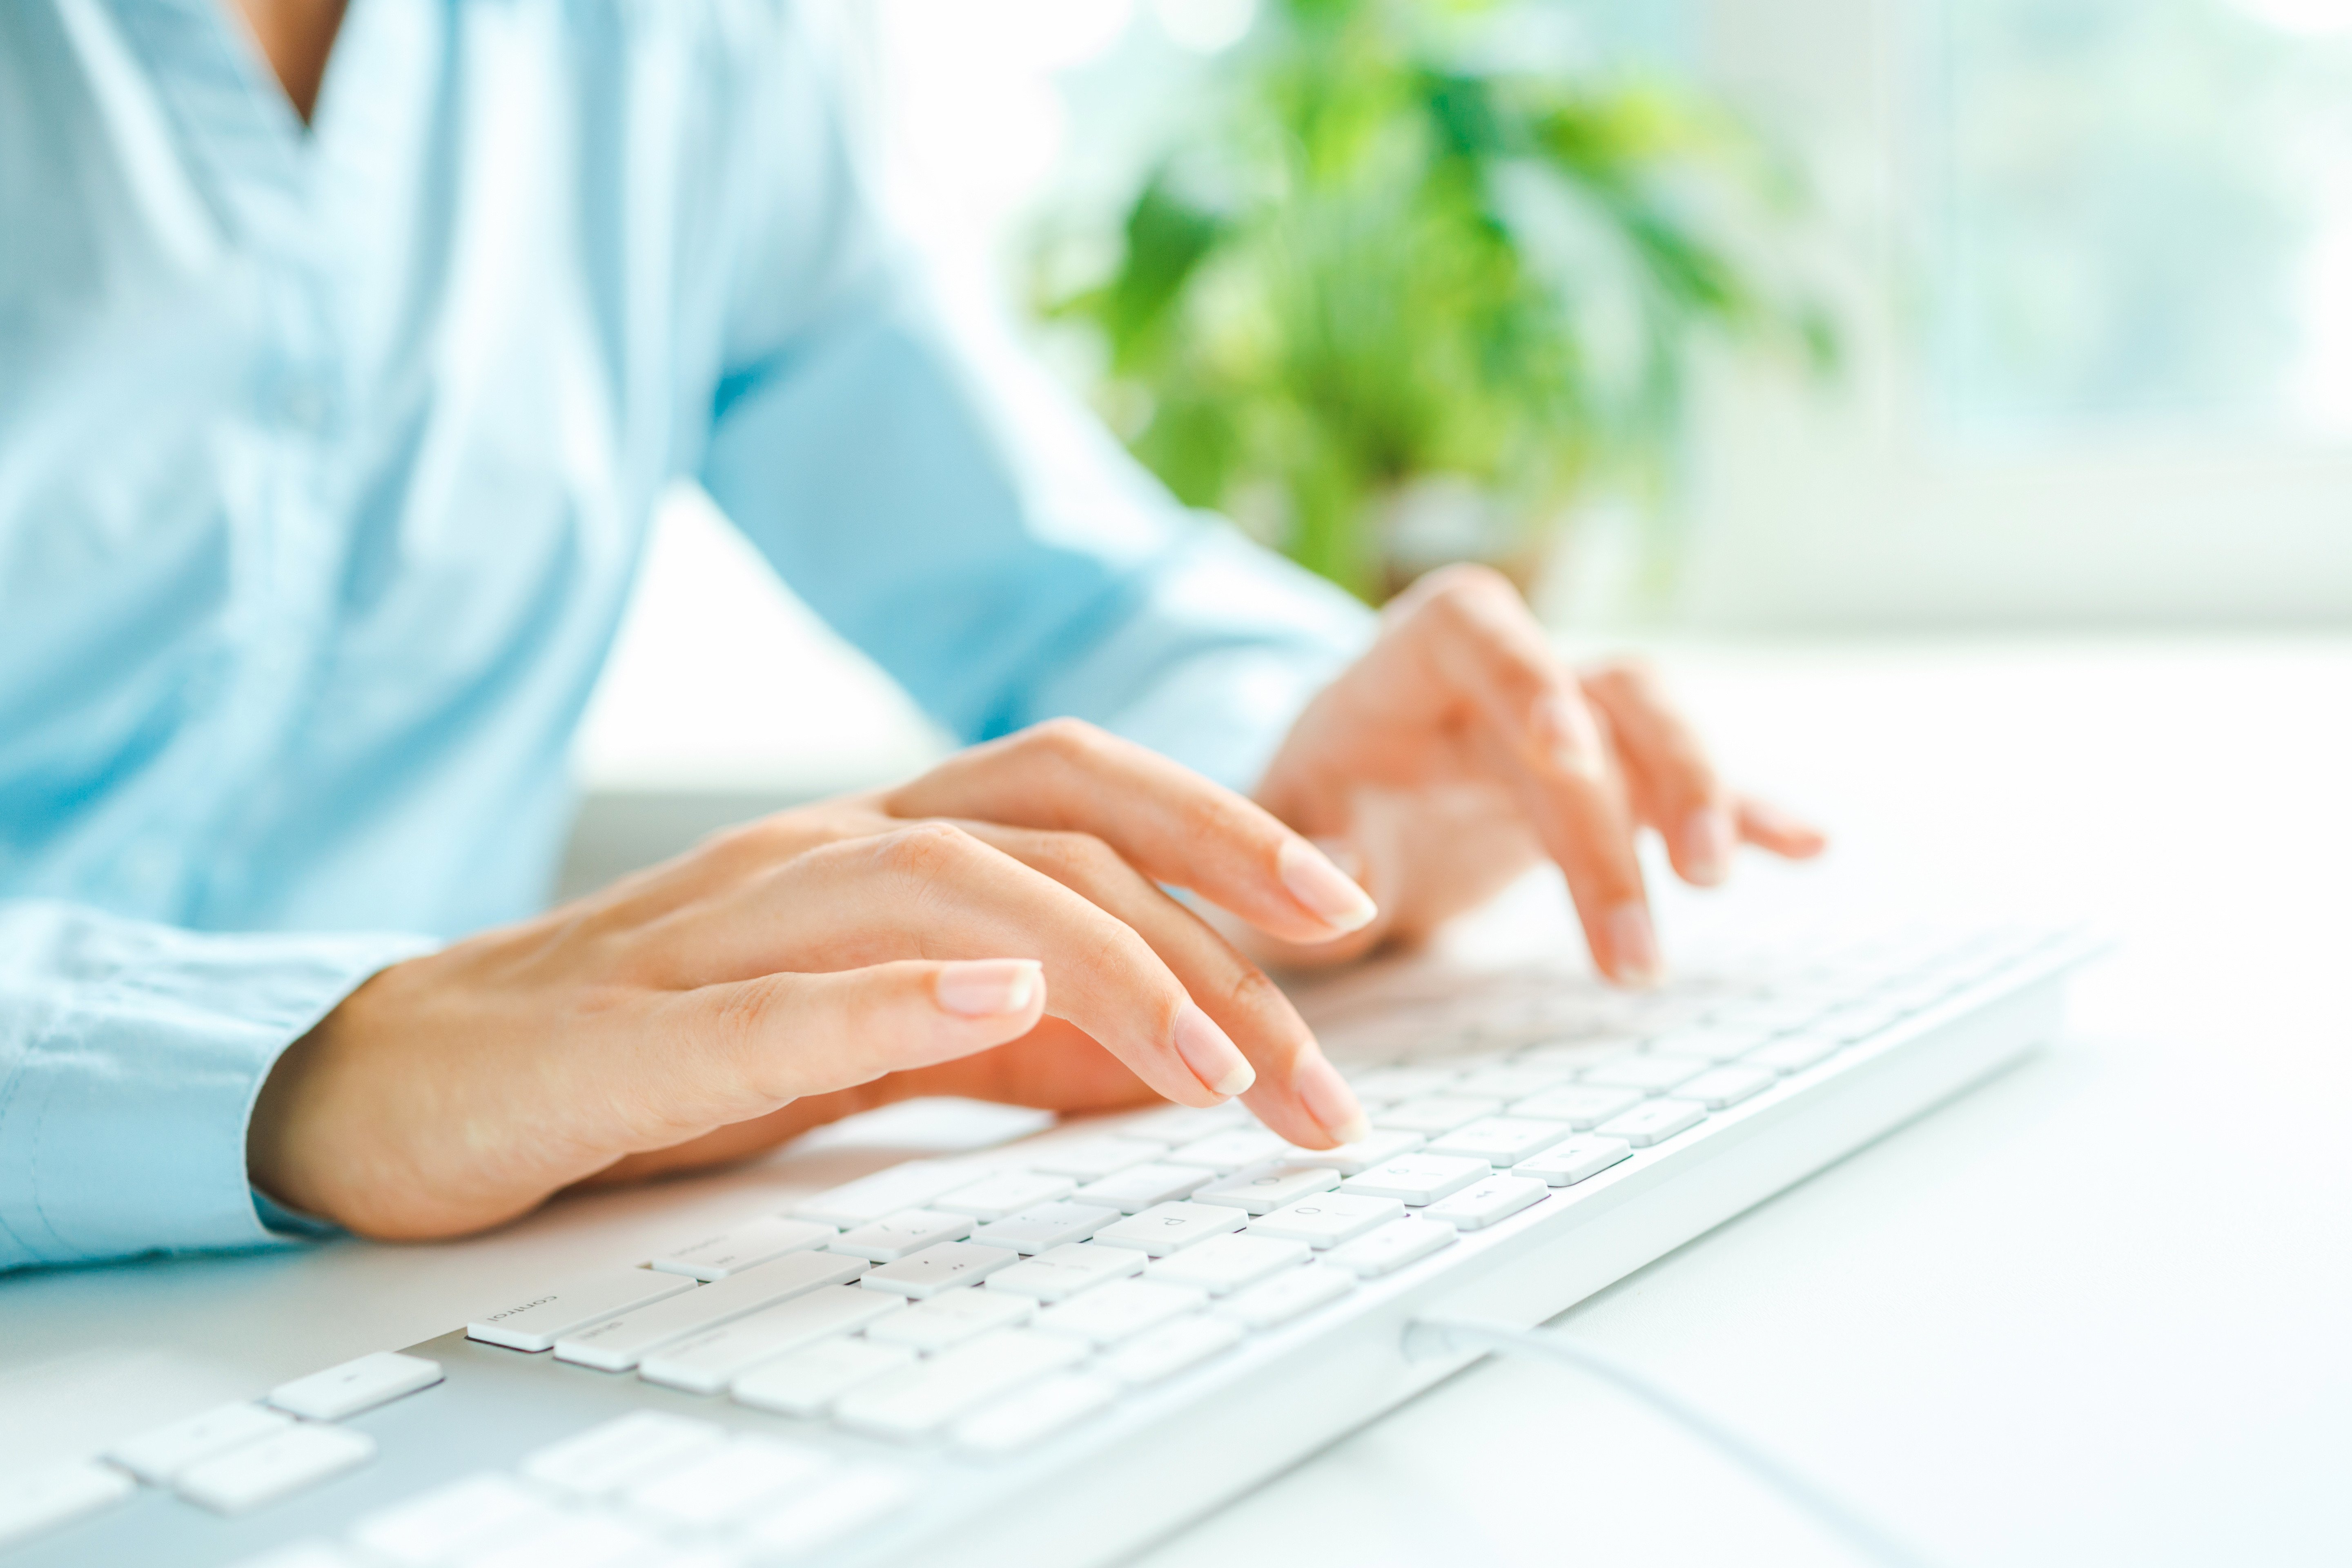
(326, 460)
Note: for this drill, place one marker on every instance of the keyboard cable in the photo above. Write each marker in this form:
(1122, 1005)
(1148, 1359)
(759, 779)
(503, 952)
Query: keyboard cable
(1429, 1339)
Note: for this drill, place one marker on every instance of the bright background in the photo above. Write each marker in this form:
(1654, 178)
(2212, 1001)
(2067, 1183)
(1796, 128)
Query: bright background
(2093, 259)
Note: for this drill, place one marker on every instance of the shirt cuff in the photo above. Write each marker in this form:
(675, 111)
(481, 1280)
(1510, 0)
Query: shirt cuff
(140, 1050)
(291, 1224)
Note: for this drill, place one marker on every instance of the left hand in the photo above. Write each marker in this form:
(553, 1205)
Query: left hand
(1459, 751)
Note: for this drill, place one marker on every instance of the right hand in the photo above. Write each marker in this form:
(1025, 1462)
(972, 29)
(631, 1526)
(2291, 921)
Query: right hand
(819, 961)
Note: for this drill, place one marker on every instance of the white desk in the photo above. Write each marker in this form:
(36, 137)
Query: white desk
(2099, 1312)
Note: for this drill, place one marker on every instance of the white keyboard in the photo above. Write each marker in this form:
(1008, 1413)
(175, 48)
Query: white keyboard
(995, 1355)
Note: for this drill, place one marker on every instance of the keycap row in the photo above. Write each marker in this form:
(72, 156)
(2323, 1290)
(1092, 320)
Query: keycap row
(648, 1489)
(228, 1459)
(1854, 990)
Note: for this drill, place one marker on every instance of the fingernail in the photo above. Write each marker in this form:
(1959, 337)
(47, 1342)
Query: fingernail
(989, 987)
(1329, 1098)
(1215, 1059)
(1707, 845)
(1633, 945)
(1326, 890)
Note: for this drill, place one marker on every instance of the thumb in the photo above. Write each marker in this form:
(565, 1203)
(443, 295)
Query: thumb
(794, 1035)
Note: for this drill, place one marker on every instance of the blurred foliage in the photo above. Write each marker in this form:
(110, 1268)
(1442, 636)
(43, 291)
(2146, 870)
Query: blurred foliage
(1373, 257)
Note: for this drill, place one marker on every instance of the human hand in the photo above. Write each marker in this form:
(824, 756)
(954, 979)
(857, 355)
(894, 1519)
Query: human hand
(1459, 751)
(996, 927)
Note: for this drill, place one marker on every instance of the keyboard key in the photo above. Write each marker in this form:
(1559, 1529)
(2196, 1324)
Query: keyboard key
(302, 1456)
(949, 1319)
(1481, 1204)
(1120, 1310)
(747, 1245)
(728, 1483)
(577, 1541)
(1046, 1227)
(1710, 1042)
(42, 1500)
(537, 1323)
(1287, 1296)
(936, 1269)
(1391, 1247)
(1433, 1113)
(1418, 1178)
(1352, 1159)
(1061, 1272)
(1034, 1414)
(1171, 1227)
(910, 1230)
(161, 1453)
(1175, 1124)
(1770, 1014)
(451, 1520)
(1140, 1186)
(1169, 1349)
(1567, 1013)
(1329, 1219)
(1229, 1151)
(616, 1344)
(1500, 1140)
(1387, 1086)
(1726, 1085)
(1582, 1107)
(886, 1191)
(805, 1381)
(1563, 1165)
(1650, 1016)
(1091, 1159)
(612, 1454)
(1224, 1264)
(1848, 1025)
(1654, 1121)
(1267, 1188)
(707, 1363)
(1650, 1073)
(918, 1401)
(1577, 1055)
(356, 1386)
(1794, 1053)
(1514, 1080)
(843, 1506)
(1005, 1193)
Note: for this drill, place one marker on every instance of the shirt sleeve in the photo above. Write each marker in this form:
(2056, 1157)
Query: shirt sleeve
(130, 1057)
(930, 491)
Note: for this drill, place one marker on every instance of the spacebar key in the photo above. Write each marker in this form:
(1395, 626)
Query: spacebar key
(922, 1399)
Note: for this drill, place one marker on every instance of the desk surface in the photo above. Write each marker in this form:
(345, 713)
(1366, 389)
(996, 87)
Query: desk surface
(2092, 1313)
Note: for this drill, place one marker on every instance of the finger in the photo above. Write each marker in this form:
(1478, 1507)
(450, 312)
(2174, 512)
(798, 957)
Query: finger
(1675, 787)
(932, 890)
(1056, 1066)
(1768, 826)
(743, 1140)
(789, 1034)
(1162, 819)
(1298, 1093)
(1541, 738)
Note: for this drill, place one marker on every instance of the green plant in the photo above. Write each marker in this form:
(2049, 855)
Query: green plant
(1369, 262)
